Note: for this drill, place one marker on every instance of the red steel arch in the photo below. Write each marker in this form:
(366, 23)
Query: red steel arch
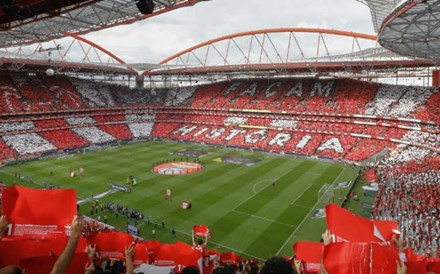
(265, 52)
(82, 39)
(57, 54)
(276, 30)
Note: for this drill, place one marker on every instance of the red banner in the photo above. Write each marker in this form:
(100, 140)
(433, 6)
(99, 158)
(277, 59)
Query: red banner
(13, 250)
(202, 231)
(140, 254)
(229, 258)
(186, 255)
(383, 258)
(165, 255)
(179, 253)
(310, 254)
(348, 227)
(347, 258)
(36, 213)
(111, 245)
(417, 267)
(385, 228)
(434, 267)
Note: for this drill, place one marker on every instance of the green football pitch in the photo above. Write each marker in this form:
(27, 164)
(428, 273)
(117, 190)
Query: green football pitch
(257, 211)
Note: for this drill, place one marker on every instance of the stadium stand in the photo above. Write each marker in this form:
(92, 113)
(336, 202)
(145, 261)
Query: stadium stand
(64, 139)
(321, 118)
(335, 119)
(412, 199)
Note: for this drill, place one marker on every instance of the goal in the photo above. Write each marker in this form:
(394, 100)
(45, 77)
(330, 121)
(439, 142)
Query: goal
(325, 193)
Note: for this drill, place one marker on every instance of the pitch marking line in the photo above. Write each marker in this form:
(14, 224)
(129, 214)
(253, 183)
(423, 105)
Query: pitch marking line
(264, 181)
(302, 193)
(296, 229)
(305, 218)
(255, 193)
(306, 207)
(263, 218)
(339, 175)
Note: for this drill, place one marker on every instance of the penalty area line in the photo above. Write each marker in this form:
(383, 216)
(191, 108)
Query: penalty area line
(263, 218)
(302, 193)
(306, 217)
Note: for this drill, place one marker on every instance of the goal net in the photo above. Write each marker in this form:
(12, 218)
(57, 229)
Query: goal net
(325, 193)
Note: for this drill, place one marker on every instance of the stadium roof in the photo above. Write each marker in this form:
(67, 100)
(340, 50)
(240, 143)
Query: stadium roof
(283, 51)
(408, 27)
(30, 21)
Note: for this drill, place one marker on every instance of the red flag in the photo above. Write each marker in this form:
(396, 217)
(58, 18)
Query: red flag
(211, 253)
(208, 259)
(348, 227)
(179, 253)
(186, 255)
(229, 258)
(111, 245)
(434, 267)
(416, 267)
(165, 255)
(202, 231)
(36, 213)
(140, 254)
(347, 258)
(310, 254)
(152, 247)
(385, 228)
(384, 258)
(43, 265)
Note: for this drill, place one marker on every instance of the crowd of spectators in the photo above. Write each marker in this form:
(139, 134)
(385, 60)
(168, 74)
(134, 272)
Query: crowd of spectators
(93, 134)
(226, 263)
(125, 211)
(302, 101)
(412, 199)
(409, 188)
(28, 143)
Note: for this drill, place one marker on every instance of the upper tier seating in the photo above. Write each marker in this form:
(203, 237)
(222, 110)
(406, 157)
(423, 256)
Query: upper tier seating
(314, 117)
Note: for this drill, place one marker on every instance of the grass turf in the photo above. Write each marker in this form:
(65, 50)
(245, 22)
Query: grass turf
(257, 211)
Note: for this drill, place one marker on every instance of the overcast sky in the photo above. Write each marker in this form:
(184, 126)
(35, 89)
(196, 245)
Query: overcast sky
(154, 39)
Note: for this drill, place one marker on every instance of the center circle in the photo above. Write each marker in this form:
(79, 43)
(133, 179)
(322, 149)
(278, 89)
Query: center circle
(177, 168)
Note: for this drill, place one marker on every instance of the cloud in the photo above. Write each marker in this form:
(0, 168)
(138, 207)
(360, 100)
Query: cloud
(155, 39)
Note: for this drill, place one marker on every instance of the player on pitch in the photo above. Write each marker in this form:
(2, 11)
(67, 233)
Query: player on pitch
(168, 195)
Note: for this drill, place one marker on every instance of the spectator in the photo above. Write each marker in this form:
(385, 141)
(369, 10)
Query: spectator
(277, 265)
(129, 251)
(66, 256)
(199, 244)
(11, 269)
(3, 225)
(89, 269)
(190, 270)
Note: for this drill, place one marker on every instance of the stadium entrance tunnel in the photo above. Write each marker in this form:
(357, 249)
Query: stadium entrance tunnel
(177, 168)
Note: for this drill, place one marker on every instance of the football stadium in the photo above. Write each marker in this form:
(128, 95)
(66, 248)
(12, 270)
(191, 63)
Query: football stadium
(272, 150)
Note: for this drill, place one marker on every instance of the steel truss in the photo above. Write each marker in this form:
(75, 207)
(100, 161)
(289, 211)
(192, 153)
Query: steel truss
(408, 27)
(308, 51)
(80, 18)
(68, 55)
